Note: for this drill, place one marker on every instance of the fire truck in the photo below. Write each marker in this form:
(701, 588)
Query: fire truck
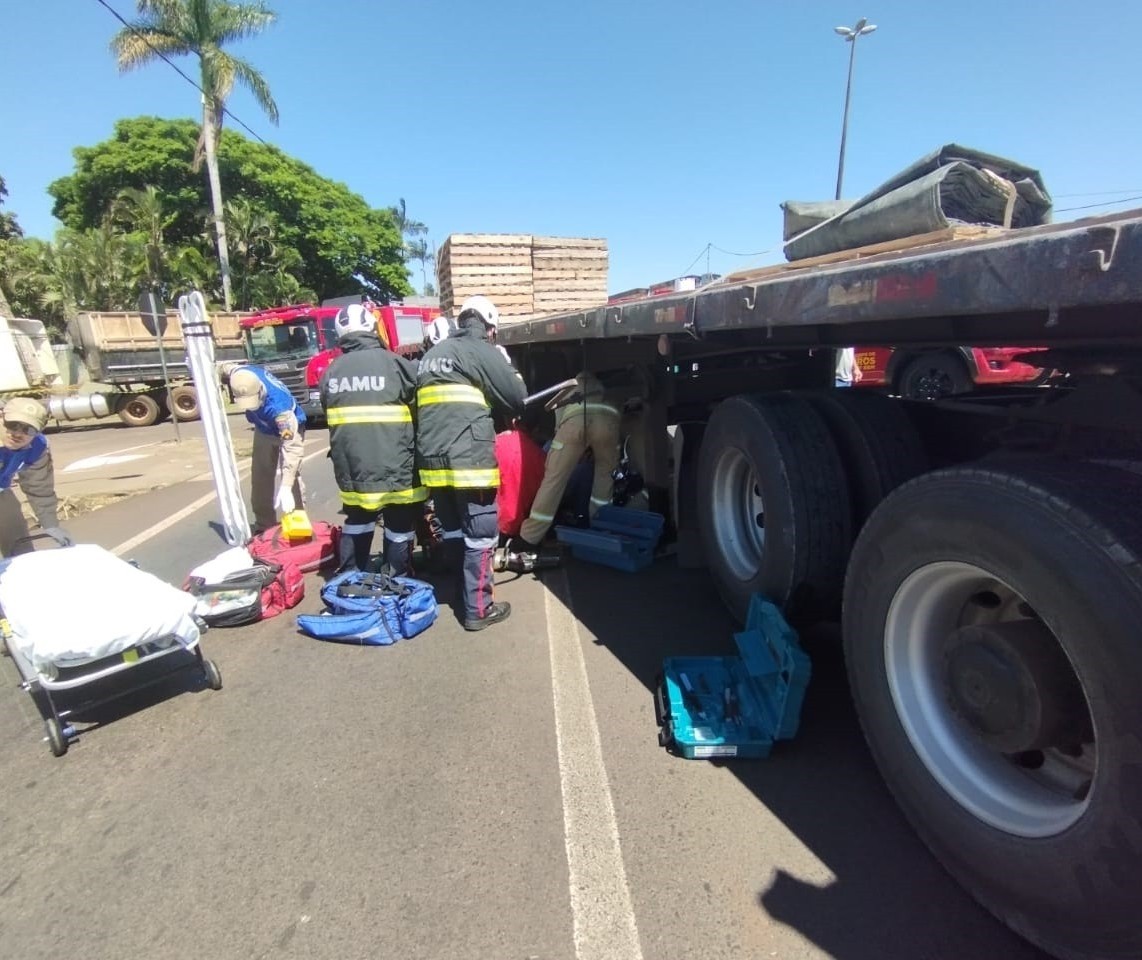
(935, 374)
(402, 328)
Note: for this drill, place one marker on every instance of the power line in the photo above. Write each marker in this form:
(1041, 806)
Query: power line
(1107, 203)
(701, 254)
(1098, 193)
(174, 66)
(731, 253)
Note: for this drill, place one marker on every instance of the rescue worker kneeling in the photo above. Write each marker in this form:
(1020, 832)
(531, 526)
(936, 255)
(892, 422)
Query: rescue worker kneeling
(461, 383)
(367, 394)
(588, 420)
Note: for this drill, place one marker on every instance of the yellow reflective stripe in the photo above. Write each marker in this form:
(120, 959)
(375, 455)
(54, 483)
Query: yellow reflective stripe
(473, 477)
(381, 413)
(374, 501)
(545, 517)
(450, 393)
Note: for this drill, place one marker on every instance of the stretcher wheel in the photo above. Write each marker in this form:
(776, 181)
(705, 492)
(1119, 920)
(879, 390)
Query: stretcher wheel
(212, 674)
(57, 742)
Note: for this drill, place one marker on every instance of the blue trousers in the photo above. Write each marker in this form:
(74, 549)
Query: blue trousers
(471, 522)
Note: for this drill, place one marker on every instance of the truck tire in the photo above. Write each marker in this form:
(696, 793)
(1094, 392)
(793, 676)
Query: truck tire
(139, 410)
(933, 376)
(772, 505)
(184, 402)
(991, 619)
(878, 443)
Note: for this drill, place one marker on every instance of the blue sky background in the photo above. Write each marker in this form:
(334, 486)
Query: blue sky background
(662, 127)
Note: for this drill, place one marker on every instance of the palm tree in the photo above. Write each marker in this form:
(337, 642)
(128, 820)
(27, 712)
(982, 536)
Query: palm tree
(407, 226)
(253, 235)
(202, 28)
(142, 212)
(420, 251)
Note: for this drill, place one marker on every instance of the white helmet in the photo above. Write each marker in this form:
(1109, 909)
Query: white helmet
(438, 330)
(482, 307)
(354, 319)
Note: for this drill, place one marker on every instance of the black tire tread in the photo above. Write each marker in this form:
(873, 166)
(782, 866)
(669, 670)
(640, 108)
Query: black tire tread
(879, 444)
(1097, 504)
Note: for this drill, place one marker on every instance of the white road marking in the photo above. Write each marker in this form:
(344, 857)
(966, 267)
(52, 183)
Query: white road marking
(105, 460)
(601, 909)
(167, 522)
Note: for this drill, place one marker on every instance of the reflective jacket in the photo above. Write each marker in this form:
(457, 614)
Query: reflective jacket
(367, 394)
(460, 383)
(33, 464)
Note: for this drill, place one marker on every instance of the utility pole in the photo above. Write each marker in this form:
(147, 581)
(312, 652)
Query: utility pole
(851, 34)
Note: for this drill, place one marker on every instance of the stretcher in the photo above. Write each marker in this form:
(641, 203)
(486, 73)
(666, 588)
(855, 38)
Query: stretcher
(72, 620)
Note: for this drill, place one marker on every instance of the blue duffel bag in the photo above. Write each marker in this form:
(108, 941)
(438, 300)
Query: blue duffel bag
(374, 609)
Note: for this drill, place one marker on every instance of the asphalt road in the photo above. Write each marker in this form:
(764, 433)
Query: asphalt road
(490, 795)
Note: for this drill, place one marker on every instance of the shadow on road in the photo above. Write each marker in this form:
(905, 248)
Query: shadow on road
(889, 894)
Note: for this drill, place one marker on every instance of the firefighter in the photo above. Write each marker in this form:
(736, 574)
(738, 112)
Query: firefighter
(279, 442)
(367, 395)
(25, 454)
(462, 382)
(586, 420)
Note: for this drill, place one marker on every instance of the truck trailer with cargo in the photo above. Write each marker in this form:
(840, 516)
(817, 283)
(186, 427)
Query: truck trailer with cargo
(983, 553)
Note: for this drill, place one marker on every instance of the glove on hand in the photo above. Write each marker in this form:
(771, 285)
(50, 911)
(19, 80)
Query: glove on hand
(285, 502)
(60, 536)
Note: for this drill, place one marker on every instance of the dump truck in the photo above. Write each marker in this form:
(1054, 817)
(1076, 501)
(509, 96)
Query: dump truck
(118, 352)
(982, 553)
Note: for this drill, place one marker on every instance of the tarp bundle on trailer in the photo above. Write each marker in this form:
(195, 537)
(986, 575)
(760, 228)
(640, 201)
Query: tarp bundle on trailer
(198, 333)
(953, 185)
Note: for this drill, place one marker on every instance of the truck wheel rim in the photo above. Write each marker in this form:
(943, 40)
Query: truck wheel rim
(1038, 799)
(739, 514)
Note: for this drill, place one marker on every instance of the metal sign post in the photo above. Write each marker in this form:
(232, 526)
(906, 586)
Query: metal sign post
(155, 320)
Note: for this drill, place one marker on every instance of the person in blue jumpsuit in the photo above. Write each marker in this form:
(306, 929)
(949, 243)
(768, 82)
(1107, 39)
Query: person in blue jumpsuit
(279, 443)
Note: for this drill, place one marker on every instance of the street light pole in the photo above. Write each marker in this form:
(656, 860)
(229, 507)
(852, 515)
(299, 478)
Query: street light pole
(850, 34)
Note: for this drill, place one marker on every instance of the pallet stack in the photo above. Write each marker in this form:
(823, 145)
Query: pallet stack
(497, 265)
(569, 273)
(524, 276)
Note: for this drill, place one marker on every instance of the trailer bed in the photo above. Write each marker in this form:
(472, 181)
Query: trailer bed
(1074, 281)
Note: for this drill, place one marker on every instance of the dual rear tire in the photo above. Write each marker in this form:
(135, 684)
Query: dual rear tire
(990, 619)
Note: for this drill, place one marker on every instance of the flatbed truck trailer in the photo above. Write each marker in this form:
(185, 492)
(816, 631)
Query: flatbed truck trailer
(982, 553)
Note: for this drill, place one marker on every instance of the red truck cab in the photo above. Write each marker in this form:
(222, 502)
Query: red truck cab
(932, 374)
(402, 329)
(282, 340)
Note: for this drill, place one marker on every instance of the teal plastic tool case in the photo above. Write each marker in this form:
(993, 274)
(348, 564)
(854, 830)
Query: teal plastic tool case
(710, 707)
(618, 537)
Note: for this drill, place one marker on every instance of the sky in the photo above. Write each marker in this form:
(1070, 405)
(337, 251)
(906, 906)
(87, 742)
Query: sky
(672, 129)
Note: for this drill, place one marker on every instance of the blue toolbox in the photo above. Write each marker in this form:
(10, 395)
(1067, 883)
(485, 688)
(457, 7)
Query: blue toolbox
(709, 707)
(618, 537)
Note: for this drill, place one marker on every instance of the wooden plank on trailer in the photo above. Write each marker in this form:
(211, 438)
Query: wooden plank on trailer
(489, 239)
(947, 235)
(588, 242)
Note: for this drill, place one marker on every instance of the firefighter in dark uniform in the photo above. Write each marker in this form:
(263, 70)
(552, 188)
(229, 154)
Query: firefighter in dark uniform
(368, 395)
(462, 382)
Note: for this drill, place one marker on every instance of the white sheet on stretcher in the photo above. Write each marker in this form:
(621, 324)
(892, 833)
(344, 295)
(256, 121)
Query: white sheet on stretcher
(82, 603)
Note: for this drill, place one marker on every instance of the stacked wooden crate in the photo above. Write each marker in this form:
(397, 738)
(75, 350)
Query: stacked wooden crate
(568, 273)
(523, 275)
(498, 265)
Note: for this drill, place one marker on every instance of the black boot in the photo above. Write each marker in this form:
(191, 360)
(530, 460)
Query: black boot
(497, 613)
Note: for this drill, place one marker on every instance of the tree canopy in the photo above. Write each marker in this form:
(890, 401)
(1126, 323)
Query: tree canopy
(325, 236)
